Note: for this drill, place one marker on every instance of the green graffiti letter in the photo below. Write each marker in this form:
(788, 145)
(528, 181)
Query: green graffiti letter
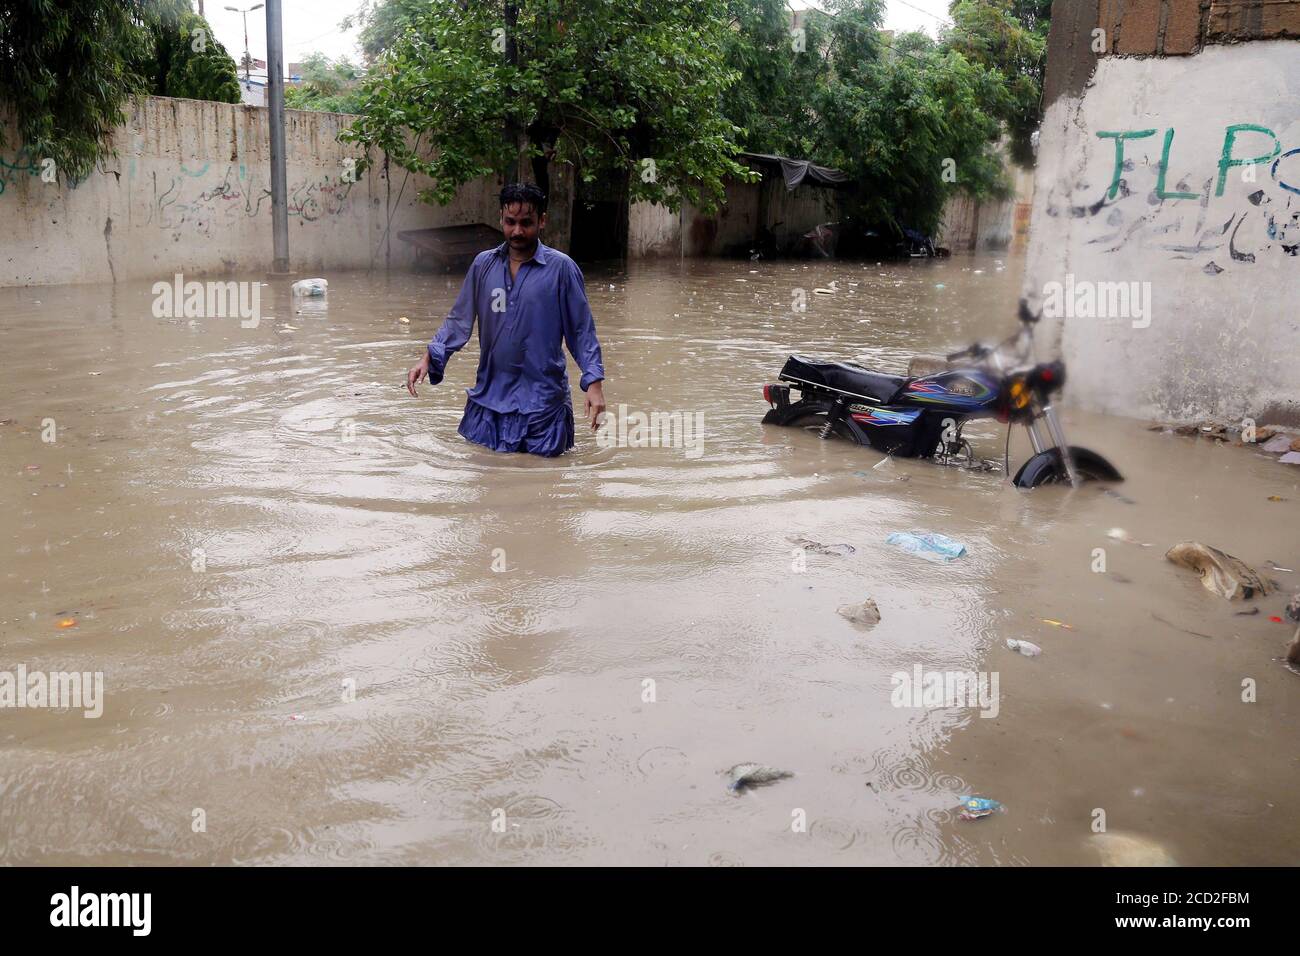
(1230, 138)
(1119, 153)
(1164, 168)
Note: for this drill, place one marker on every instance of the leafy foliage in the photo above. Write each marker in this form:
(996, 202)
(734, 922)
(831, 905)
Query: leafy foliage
(898, 120)
(773, 100)
(68, 69)
(328, 85)
(893, 113)
(382, 22)
(603, 84)
(188, 61)
(1009, 36)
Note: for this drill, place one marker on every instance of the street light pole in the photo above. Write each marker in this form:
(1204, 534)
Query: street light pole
(248, 60)
(275, 112)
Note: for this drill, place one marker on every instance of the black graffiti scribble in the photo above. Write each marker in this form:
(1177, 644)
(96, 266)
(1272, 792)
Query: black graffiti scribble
(1079, 212)
(1232, 243)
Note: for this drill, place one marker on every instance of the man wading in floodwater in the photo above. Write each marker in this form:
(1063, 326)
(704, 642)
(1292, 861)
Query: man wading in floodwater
(529, 299)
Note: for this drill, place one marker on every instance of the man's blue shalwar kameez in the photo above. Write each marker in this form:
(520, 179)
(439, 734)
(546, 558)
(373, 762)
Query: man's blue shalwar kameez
(520, 401)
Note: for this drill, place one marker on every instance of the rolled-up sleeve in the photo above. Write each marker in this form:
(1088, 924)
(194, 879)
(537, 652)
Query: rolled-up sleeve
(456, 328)
(580, 327)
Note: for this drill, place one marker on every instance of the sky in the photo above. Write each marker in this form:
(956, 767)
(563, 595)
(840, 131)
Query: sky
(313, 25)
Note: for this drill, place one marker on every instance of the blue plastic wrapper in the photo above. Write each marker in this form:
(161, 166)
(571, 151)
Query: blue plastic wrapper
(928, 545)
(972, 808)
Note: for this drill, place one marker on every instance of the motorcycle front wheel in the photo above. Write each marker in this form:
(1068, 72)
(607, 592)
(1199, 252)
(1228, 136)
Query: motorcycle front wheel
(1047, 468)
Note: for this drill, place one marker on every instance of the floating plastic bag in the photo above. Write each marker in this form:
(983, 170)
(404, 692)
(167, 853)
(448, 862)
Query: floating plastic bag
(928, 545)
(311, 286)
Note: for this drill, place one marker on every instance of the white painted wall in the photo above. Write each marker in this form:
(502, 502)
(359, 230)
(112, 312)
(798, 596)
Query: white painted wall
(189, 192)
(653, 230)
(968, 225)
(1220, 343)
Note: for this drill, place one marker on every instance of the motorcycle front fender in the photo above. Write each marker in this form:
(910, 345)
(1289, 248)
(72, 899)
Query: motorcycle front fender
(1047, 465)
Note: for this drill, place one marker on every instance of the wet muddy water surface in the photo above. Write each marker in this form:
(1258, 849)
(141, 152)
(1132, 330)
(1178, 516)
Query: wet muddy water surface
(347, 636)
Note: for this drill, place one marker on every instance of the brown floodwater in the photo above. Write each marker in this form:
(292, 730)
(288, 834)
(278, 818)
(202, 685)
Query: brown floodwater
(331, 631)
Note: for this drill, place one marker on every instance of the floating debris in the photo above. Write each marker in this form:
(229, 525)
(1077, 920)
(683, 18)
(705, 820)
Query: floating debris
(1048, 620)
(1183, 629)
(1027, 648)
(816, 547)
(1220, 572)
(310, 287)
(1112, 493)
(1125, 849)
(976, 808)
(929, 545)
(1119, 534)
(744, 775)
(1293, 612)
(867, 613)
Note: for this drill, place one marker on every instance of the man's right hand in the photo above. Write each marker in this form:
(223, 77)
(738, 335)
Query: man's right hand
(417, 374)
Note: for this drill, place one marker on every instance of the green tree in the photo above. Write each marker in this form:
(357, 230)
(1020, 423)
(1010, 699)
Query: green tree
(779, 75)
(626, 90)
(67, 70)
(895, 114)
(188, 61)
(899, 115)
(382, 22)
(327, 85)
(1009, 36)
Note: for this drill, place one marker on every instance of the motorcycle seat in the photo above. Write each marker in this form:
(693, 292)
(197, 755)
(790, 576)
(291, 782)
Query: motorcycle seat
(843, 377)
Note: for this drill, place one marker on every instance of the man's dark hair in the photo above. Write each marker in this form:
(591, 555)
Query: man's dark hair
(527, 193)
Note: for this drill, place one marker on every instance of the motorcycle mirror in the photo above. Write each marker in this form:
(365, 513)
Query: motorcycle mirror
(1027, 315)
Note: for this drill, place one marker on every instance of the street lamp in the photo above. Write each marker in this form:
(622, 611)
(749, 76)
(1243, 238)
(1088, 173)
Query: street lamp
(247, 59)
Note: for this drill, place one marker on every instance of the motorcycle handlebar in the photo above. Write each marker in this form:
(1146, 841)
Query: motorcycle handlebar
(975, 351)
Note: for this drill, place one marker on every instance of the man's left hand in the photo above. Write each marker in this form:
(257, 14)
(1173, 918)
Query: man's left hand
(595, 404)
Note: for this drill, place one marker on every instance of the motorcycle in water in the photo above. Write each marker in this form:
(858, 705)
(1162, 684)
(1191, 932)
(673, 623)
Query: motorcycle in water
(923, 416)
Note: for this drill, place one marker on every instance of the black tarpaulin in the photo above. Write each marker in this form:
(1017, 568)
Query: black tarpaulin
(796, 171)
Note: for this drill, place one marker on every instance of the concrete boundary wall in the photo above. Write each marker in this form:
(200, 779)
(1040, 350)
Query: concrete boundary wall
(189, 191)
(1175, 180)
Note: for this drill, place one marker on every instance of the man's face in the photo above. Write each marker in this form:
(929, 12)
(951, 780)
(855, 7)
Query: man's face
(520, 224)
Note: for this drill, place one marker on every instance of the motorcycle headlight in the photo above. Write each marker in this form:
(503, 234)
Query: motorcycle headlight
(1018, 394)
